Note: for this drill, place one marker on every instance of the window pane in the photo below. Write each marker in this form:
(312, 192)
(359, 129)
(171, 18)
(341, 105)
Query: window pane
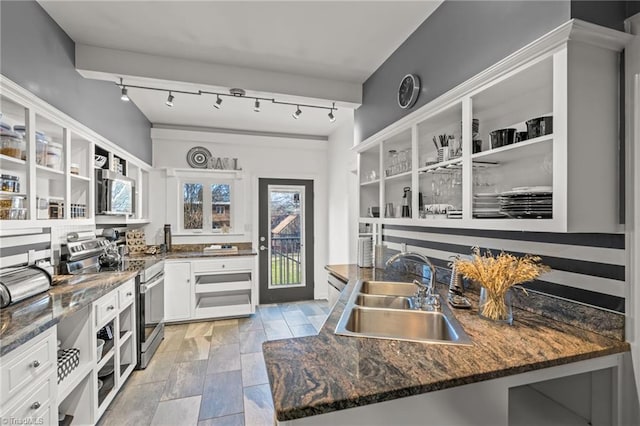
(220, 206)
(192, 198)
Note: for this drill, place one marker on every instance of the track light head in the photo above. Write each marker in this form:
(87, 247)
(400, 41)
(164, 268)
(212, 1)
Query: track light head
(169, 102)
(332, 117)
(124, 96)
(297, 114)
(256, 105)
(218, 103)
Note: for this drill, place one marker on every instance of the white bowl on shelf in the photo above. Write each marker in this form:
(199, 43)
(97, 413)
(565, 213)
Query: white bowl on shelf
(99, 161)
(99, 348)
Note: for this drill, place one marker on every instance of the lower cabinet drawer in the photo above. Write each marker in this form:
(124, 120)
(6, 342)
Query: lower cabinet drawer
(106, 308)
(226, 264)
(126, 294)
(21, 367)
(33, 407)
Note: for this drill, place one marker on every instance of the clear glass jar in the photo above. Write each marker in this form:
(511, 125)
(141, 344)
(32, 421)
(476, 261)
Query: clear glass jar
(42, 143)
(75, 169)
(54, 155)
(12, 145)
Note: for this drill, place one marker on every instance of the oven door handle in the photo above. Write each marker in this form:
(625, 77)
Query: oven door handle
(146, 287)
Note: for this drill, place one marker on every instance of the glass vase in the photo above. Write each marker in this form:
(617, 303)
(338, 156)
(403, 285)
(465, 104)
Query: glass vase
(495, 307)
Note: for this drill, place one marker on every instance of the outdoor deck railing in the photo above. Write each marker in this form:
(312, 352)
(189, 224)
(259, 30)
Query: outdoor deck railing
(285, 260)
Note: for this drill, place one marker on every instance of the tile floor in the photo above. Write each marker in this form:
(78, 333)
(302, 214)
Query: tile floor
(213, 372)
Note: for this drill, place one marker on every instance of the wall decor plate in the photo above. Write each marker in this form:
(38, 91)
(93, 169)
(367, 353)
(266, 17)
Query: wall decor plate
(198, 157)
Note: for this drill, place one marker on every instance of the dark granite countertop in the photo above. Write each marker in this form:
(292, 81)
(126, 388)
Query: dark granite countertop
(32, 316)
(319, 374)
(178, 255)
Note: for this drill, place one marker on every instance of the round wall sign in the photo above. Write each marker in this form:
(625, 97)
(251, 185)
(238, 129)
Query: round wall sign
(408, 91)
(198, 157)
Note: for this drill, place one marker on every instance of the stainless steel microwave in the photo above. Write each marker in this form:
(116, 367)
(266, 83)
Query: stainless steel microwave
(115, 193)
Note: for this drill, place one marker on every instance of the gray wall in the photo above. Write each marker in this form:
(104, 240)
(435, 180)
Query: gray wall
(38, 55)
(460, 39)
(611, 13)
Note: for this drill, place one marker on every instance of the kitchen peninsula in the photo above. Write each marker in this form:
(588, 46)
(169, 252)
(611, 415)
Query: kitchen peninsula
(331, 379)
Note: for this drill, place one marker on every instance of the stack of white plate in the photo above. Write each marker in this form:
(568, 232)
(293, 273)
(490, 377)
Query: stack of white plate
(454, 214)
(530, 202)
(486, 205)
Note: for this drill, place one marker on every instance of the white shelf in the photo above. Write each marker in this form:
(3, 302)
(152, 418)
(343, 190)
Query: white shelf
(441, 165)
(222, 287)
(106, 357)
(223, 305)
(80, 178)
(69, 383)
(397, 176)
(12, 194)
(371, 182)
(530, 407)
(123, 340)
(11, 160)
(525, 149)
(49, 171)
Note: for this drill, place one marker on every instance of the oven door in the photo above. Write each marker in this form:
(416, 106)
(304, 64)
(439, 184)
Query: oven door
(151, 303)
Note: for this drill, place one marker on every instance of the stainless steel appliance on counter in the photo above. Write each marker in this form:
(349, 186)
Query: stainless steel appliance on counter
(19, 283)
(82, 257)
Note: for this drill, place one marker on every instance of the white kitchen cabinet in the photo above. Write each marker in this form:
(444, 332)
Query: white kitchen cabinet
(223, 287)
(178, 291)
(56, 188)
(28, 381)
(570, 74)
(119, 357)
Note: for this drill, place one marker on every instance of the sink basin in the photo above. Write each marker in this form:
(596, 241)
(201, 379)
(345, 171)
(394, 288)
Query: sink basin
(377, 301)
(383, 310)
(397, 324)
(388, 288)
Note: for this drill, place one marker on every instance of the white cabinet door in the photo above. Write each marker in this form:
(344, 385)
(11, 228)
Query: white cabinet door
(178, 293)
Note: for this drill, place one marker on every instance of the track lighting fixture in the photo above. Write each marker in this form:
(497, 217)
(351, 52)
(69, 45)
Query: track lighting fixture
(218, 103)
(234, 92)
(332, 117)
(123, 92)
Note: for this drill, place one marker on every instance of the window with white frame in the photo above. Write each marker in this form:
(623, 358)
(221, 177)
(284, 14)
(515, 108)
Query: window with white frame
(207, 205)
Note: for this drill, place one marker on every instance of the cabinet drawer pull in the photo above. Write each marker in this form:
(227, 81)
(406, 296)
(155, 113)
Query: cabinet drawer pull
(35, 405)
(110, 308)
(129, 294)
(36, 364)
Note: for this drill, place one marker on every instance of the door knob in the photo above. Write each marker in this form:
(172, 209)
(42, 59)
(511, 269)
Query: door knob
(262, 248)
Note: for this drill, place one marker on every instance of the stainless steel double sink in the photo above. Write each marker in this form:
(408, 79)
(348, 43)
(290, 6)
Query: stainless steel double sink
(385, 310)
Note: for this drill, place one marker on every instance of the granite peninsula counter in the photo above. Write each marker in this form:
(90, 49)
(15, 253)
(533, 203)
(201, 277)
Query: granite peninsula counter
(324, 373)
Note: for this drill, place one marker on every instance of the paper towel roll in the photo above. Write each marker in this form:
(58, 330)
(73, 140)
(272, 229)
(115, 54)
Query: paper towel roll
(81, 236)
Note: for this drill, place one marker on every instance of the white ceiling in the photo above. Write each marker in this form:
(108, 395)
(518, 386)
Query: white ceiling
(338, 40)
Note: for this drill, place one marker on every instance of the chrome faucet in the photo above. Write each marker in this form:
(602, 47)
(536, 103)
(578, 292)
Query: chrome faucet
(426, 297)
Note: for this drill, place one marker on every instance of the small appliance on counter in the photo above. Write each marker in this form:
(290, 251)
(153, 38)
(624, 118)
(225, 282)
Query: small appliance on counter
(19, 283)
(365, 252)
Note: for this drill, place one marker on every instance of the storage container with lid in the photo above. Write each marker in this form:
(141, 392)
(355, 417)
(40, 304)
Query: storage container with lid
(75, 168)
(42, 142)
(12, 144)
(54, 155)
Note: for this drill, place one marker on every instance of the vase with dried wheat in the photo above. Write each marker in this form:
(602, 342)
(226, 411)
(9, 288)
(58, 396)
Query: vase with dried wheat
(497, 275)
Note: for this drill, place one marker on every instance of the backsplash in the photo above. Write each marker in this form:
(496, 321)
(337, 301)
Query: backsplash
(15, 246)
(586, 286)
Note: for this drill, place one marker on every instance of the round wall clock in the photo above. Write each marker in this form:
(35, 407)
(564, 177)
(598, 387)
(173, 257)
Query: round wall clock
(408, 91)
(198, 157)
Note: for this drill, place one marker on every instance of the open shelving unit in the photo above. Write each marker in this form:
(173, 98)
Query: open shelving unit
(47, 177)
(546, 79)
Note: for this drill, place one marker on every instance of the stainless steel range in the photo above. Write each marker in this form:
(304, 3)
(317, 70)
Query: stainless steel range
(81, 257)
